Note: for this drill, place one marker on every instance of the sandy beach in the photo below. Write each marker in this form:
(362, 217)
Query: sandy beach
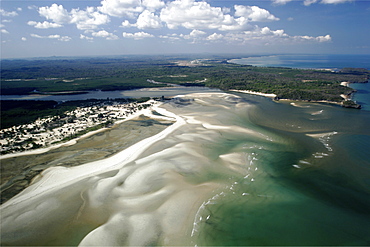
(146, 112)
(270, 95)
(156, 201)
(226, 172)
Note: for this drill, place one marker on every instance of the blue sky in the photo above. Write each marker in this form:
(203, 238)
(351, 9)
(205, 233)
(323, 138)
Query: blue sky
(118, 27)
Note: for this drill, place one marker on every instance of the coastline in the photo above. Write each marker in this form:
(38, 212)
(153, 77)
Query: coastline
(194, 179)
(269, 95)
(81, 191)
(146, 112)
(273, 96)
(95, 167)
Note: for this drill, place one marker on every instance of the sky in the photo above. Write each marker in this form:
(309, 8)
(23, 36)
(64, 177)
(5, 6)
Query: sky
(121, 27)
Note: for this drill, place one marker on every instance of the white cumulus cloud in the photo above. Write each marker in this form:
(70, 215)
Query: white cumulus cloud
(44, 25)
(153, 4)
(195, 35)
(105, 34)
(4, 31)
(267, 36)
(215, 36)
(199, 15)
(321, 39)
(254, 13)
(148, 20)
(138, 35)
(8, 14)
(52, 36)
(191, 15)
(88, 19)
(86, 37)
(121, 8)
(56, 13)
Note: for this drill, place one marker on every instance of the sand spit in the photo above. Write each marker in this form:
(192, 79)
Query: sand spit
(345, 83)
(152, 193)
(134, 115)
(270, 95)
(61, 195)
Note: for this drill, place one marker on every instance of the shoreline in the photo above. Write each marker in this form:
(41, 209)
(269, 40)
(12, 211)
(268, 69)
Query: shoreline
(92, 168)
(129, 186)
(42, 150)
(269, 95)
(273, 97)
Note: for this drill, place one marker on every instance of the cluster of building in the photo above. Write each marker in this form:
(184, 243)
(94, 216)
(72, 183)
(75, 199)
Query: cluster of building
(50, 130)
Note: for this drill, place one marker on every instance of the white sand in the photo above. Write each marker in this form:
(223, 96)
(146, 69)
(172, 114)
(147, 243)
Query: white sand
(345, 83)
(270, 95)
(151, 200)
(146, 112)
(80, 172)
(148, 194)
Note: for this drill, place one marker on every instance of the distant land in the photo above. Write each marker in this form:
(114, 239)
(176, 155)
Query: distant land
(80, 75)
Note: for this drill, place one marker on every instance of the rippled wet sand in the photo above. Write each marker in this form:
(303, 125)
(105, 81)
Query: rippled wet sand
(233, 170)
(17, 172)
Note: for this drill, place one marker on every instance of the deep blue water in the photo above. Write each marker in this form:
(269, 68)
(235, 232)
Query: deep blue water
(308, 61)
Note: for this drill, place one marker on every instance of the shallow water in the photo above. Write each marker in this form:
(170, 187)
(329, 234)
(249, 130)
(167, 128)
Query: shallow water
(18, 172)
(238, 170)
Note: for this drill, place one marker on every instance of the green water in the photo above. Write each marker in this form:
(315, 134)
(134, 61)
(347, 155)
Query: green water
(298, 190)
(239, 171)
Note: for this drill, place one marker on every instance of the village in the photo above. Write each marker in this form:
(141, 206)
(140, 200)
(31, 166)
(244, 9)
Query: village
(55, 129)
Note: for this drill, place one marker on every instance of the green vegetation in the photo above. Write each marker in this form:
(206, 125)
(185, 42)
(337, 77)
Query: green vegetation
(60, 76)
(18, 112)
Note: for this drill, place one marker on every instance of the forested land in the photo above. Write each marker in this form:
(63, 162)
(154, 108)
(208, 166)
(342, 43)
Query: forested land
(77, 75)
(18, 112)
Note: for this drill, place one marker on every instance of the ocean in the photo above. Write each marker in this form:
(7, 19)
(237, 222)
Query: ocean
(236, 170)
(330, 61)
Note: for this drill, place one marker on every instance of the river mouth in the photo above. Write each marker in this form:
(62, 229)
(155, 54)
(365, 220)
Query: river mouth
(233, 170)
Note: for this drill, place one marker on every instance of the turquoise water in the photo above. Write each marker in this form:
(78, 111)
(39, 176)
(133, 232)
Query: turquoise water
(298, 189)
(242, 170)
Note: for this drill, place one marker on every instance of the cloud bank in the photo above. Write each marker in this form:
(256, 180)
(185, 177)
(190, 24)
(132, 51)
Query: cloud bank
(197, 21)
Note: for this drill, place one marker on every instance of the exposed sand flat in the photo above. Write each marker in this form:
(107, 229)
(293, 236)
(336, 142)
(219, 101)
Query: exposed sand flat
(320, 135)
(148, 194)
(90, 169)
(122, 200)
(270, 95)
(345, 83)
(146, 112)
